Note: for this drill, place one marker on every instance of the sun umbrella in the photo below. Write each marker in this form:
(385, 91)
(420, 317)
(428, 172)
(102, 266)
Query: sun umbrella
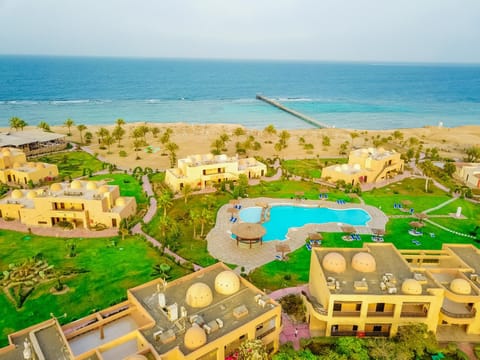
(416, 224)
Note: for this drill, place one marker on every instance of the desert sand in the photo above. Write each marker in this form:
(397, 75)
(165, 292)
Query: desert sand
(197, 139)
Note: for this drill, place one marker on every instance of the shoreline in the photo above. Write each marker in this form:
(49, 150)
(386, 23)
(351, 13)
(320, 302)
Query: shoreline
(198, 138)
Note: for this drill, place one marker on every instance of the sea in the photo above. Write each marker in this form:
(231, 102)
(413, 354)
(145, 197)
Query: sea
(98, 90)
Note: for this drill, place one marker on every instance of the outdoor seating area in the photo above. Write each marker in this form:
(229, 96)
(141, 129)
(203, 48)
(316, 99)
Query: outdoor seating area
(323, 196)
(341, 202)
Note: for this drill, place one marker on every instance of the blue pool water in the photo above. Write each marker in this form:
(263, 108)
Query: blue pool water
(283, 218)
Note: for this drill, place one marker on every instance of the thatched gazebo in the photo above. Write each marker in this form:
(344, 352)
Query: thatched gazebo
(248, 233)
(348, 229)
(416, 224)
(421, 216)
(378, 232)
(282, 248)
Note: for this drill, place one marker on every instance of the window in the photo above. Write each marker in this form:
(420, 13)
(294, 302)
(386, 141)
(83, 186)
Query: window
(337, 307)
(355, 327)
(380, 307)
(377, 328)
(358, 307)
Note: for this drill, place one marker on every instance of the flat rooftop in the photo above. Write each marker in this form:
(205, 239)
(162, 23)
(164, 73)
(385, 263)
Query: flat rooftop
(222, 307)
(387, 261)
(18, 138)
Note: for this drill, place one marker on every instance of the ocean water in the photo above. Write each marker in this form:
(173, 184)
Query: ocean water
(345, 95)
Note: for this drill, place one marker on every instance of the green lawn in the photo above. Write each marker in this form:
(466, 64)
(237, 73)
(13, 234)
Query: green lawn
(408, 189)
(310, 168)
(129, 186)
(111, 270)
(71, 164)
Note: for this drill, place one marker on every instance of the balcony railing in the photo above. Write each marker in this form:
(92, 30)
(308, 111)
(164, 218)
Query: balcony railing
(458, 316)
(346, 313)
(413, 314)
(380, 313)
(265, 333)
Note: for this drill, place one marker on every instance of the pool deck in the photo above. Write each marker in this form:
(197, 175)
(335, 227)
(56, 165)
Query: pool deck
(224, 248)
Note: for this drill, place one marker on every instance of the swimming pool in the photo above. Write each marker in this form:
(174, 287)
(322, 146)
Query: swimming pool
(284, 217)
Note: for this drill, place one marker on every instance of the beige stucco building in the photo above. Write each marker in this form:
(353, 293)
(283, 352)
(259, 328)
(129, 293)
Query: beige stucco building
(365, 166)
(201, 171)
(14, 168)
(469, 173)
(205, 316)
(374, 290)
(84, 204)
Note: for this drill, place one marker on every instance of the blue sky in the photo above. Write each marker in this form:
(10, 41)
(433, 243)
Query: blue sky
(347, 30)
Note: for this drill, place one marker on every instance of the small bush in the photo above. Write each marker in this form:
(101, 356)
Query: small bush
(122, 153)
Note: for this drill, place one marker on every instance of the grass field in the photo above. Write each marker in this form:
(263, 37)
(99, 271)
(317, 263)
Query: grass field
(110, 271)
(71, 164)
(129, 186)
(310, 168)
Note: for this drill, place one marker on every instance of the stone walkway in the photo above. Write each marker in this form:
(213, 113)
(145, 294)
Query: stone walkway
(223, 247)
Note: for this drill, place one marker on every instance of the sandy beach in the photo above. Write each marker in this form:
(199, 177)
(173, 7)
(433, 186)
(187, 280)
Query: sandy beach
(197, 139)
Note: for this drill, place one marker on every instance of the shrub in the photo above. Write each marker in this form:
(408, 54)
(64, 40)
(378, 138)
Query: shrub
(122, 153)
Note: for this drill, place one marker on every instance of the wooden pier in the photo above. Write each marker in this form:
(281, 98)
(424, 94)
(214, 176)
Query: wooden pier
(297, 114)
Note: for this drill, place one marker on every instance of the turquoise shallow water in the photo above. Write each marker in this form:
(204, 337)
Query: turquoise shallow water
(283, 218)
(364, 96)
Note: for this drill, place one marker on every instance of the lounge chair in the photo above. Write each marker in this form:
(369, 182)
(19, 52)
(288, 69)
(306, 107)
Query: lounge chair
(432, 235)
(309, 247)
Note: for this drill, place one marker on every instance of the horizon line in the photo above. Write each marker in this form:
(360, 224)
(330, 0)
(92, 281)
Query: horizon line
(292, 60)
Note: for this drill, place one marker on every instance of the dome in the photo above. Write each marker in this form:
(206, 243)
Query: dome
(334, 262)
(199, 295)
(411, 287)
(6, 152)
(17, 194)
(120, 202)
(91, 185)
(75, 184)
(460, 286)
(16, 165)
(356, 167)
(103, 189)
(39, 165)
(227, 283)
(31, 194)
(56, 187)
(344, 167)
(31, 164)
(363, 262)
(338, 168)
(194, 337)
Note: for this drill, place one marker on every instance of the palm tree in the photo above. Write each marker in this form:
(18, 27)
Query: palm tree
(239, 132)
(143, 130)
(217, 146)
(187, 190)
(124, 228)
(155, 131)
(353, 135)
(81, 128)
(165, 138)
(69, 123)
(118, 133)
(120, 122)
(102, 133)
(172, 153)
(108, 140)
(44, 126)
(14, 123)
(270, 130)
(194, 218)
(164, 201)
(22, 124)
(205, 218)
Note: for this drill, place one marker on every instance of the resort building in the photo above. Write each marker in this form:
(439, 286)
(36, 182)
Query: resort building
(14, 168)
(469, 173)
(201, 171)
(365, 166)
(374, 290)
(84, 204)
(205, 315)
(33, 142)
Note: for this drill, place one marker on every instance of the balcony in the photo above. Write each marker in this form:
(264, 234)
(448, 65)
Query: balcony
(462, 315)
(347, 313)
(413, 314)
(380, 313)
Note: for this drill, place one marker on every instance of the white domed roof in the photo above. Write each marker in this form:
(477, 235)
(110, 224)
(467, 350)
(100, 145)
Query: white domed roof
(91, 185)
(16, 165)
(411, 287)
(56, 187)
(460, 286)
(334, 262)
(31, 194)
(103, 189)
(17, 194)
(120, 202)
(356, 167)
(75, 184)
(39, 165)
(194, 337)
(227, 283)
(364, 262)
(344, 167)
(6, 152)
(338, 168)
(199, 295)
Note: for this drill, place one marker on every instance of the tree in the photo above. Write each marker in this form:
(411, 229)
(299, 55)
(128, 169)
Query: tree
(217, 146)
(352, 347)
(102, 133)
(172, 153)
(69, 123)
(252, 349)
(343, 148)
(284, 136)
(155, 131)
(88, 137)
(397, 135)
(124, 228)
(17, 123)
(354, 135)
(118, 133)
(165, 138)
(225, 138)
(449, 168)
(164, 201)
(194, 220)
(270, 130)
(239, 132)
(108, 141)
(120, 122)
(44, 126)
(206, 216)
(325, 140)
(428, 170)
(473, 153)
(137, 144)
(81, 128)
(187, 190)
(416, 340)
